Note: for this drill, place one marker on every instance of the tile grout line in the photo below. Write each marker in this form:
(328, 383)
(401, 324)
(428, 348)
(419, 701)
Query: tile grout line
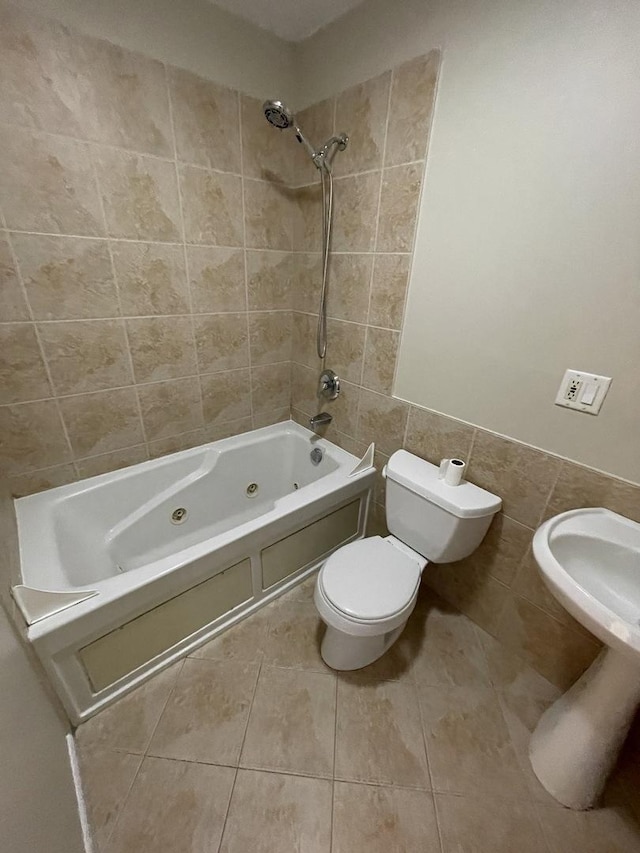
(333, 774)
(237, 767)
(41, 349)
(185, 254)
(244, 257)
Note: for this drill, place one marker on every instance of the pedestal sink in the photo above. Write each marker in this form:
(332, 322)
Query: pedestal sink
(590, 560)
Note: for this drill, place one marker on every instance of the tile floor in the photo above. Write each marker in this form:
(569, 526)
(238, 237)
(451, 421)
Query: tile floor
(251, 745)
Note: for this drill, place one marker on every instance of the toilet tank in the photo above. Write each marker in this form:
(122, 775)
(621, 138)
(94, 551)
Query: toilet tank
(443, 523)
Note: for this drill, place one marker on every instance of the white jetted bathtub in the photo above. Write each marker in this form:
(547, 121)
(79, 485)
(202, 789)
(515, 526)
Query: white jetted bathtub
(126, 572)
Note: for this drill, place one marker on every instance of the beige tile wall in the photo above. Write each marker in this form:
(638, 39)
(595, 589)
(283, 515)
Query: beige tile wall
(377, 188)
(145, 258)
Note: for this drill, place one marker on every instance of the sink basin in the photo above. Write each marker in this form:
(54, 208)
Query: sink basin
(590, 560)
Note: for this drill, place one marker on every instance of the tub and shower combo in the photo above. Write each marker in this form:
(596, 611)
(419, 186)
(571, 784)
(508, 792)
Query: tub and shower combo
(128, 571)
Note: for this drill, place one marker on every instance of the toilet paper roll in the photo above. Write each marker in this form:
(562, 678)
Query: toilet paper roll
(452, 471)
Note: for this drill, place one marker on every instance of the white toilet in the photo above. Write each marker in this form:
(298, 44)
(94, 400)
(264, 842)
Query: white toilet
(366, 590)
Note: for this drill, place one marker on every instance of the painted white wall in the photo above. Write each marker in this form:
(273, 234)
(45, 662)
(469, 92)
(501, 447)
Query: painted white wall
(38, 809)
(527, 258)
(192, 34)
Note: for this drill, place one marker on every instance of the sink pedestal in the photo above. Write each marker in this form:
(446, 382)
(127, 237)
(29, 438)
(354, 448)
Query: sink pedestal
(577, 740)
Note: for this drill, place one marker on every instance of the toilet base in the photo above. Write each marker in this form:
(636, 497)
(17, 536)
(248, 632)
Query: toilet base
(344, 652)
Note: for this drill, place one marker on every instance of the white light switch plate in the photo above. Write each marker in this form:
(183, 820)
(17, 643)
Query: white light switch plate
(583, 391)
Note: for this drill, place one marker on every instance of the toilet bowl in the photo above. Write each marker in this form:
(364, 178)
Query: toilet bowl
(366, 590)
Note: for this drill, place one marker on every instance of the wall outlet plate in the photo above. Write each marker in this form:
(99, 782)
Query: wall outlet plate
(582, 391)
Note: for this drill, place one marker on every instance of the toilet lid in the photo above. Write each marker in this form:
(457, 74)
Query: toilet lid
(370, 579)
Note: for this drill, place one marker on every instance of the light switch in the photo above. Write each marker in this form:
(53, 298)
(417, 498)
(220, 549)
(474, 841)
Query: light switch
(589, 394)
(582, 391)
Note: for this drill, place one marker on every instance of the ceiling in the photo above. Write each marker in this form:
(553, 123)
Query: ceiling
(292, 20)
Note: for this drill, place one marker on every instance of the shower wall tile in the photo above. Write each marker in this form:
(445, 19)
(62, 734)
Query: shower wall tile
(349, 284)
(161, 348)
(413, 93)
(212, 207)
(222, 341)
(66, 278)
(379, 359)
(22, 372)
(268, 215)
(270, 388)
(399, 199)
(47, 184)
(269, 277)
(389, 290)
(347, 348)
(13, 306)
(307, 222)
(151, 278)
(216, 279)
(363, 110)
(270, 336)
(102, 422)
(434, 437)
(356, 212)
(170, 408)
(32, 437)
(140, 195)
(107, 462)
(206, 121)
(307, 281)
(381, 419)
(86, 356)
(226, 396)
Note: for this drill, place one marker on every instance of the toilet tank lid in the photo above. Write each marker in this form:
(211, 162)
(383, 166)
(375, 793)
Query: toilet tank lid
(421, 477)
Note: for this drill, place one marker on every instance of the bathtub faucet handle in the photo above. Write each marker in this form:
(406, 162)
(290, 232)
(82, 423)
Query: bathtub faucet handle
(322, 419)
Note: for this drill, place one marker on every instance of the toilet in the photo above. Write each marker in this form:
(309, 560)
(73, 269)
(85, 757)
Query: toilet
(366, 590)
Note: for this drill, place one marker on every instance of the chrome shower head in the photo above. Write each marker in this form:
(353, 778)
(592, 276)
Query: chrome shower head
(278, 114)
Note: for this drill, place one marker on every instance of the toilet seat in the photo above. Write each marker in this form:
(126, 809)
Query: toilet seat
(369, 585)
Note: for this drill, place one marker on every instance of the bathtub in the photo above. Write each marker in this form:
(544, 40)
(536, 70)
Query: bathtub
(126, 572)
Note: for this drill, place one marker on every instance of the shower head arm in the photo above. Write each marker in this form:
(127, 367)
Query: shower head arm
(302, 139)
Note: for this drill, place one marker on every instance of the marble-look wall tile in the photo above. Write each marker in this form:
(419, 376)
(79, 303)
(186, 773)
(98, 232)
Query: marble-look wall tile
(269, 280)
(522, 476)
(304, 391)
(124, 102)
(31, 437)
(170, 408)
(22, 485)
(306, 282)
(270, 388)
(503, 548)
(413, 93)
(349, 284)
(66, 278)
(270, 336)
(347, 348)
(106, 462)
(140, 195)
(361, 113)
(303, 345)
(176, 443)
(86, 356)
(212, 207)
(380, 359)
(399, 199)
(268, 215)
(383, 420)
(226, 396)
(356, 207)
(222, 341)
(13, 306)
(151, 278)
(161, 348)
(102, 422)
(578, 487)
(389, 290)
(435, 437)
(206, 121)
(22, 372)
(216, 279)
(47, 184)
(307, 220)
